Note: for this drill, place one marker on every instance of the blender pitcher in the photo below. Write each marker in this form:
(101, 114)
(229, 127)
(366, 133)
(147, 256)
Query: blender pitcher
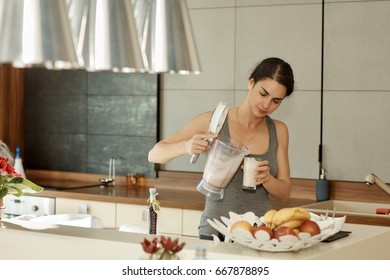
(225, 157)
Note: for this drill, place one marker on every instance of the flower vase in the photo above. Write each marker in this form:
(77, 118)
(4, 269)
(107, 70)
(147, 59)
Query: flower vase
(153, 257)
(166, 255)
(2, 209)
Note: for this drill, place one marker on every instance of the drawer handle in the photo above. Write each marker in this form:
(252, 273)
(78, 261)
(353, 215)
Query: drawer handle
(83, 209)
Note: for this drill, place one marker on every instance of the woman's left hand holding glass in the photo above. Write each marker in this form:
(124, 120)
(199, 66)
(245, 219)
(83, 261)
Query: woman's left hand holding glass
(263, 174)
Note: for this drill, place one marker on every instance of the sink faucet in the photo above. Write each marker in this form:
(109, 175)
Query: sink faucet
(373, 179)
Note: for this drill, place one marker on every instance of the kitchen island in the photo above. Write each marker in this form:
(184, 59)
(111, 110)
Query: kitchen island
(69, 243)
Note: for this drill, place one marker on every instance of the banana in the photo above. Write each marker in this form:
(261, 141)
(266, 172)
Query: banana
(291, 224)
(287, 214)
(268, 217)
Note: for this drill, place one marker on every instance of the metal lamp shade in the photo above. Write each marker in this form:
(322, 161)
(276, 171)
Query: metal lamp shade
(165, 35)
(36, 33)
(105, 35)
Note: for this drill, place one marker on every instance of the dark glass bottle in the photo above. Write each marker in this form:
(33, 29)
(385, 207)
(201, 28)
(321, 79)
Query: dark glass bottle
(154, 208)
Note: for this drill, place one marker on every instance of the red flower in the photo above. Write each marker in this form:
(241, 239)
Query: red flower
(13, 183)
(171, 245)
(3, 163)
(7, 169)
(150, 247)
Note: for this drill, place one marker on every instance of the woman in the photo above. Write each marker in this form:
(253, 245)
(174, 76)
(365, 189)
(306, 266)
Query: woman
(250, 124)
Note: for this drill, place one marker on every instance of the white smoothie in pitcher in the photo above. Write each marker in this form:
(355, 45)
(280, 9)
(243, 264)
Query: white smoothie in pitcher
(222, 163)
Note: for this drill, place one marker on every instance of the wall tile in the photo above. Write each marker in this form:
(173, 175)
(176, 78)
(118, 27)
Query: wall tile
(47, 81)
(130, 154)
(109, 83)
(215, 44)
(122, 115)
(201, 4)
(242, 3)
(362, 61)
(55, 151)
(356, 138)
(57, 113)
(291, 32)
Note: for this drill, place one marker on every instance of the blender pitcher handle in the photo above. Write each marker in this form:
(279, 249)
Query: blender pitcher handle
(194, 158)
(217, 119)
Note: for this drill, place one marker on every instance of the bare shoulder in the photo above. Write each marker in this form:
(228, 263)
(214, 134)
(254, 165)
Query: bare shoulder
(281, 128)
(206, 116)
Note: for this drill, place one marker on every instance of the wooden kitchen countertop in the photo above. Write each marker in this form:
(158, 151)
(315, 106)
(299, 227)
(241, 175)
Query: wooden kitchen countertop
(177, 192)
(178, 189)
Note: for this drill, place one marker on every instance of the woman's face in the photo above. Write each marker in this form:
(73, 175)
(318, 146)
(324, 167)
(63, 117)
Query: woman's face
(265, 96)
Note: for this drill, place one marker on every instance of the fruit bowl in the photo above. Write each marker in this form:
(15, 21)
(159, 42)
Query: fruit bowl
(262, 242)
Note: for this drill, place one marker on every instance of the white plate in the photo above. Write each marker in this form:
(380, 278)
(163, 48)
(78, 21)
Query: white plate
(328, 226)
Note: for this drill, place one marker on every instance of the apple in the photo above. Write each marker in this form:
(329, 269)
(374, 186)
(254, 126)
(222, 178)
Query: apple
(257, 231)
(310, 227)
(283, 230)
(243, 225)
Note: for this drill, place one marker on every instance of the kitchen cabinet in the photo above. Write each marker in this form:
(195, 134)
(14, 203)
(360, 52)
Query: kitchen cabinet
(169, 219)
(105, 211)
(191, 219)
(128, 214)
(115, 215)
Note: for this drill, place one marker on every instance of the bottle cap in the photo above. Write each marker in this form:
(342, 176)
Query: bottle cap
(152, 191)
(322, 175)
(200, 253)
(200, 250)
(18, 151)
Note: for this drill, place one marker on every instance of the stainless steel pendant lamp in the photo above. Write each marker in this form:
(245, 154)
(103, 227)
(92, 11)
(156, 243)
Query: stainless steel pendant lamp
(36, 33)
(165, 35)
(105, 35)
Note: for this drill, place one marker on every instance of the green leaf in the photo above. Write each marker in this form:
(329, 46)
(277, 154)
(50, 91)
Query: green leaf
(15, 190)
(34, 187)
(16, 180)
(3, 192)
(18, 186)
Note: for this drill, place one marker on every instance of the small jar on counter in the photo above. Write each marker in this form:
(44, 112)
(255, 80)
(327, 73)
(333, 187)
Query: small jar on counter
(141, 180)
(131, 179)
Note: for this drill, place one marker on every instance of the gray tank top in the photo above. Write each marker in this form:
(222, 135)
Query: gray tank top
(235, 199)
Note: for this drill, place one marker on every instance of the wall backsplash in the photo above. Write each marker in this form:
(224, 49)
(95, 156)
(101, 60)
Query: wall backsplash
(76, 120)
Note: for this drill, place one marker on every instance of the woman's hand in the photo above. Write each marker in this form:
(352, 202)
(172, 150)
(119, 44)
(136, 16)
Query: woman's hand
(199, 143)
(263, 174)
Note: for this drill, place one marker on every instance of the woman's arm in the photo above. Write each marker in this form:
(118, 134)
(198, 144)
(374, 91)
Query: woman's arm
(279, 187)
(192, 139)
